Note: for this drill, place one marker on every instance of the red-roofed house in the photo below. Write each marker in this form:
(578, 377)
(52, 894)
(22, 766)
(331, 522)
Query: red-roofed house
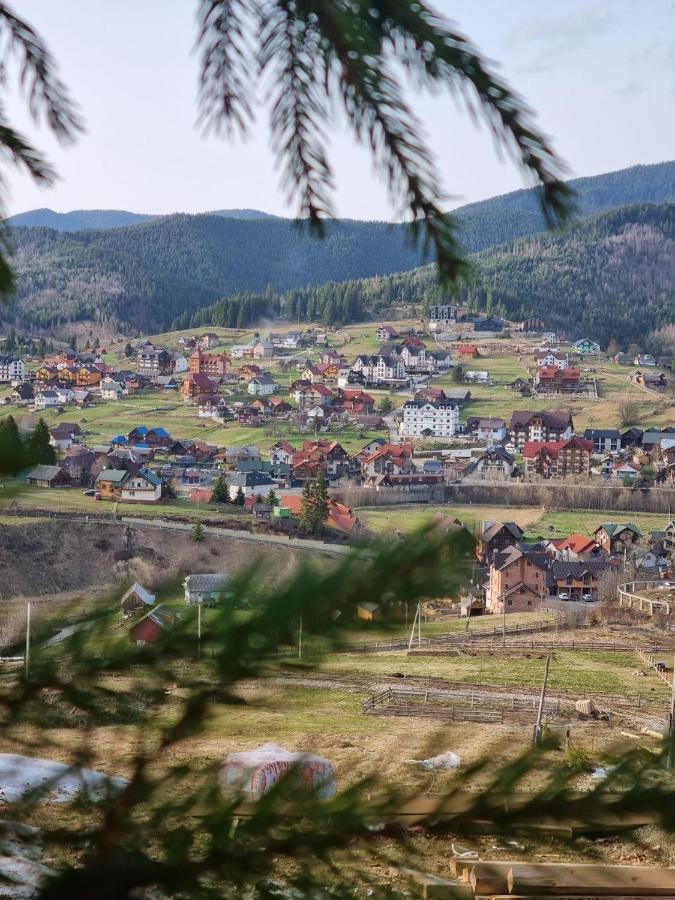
(578, 546)
(469, 350)
(357, 402)
(313, 395)
(390, 459)
(558, 459)
(553, 380)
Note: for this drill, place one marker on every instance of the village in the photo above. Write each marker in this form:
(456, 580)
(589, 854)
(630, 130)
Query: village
(179, 461)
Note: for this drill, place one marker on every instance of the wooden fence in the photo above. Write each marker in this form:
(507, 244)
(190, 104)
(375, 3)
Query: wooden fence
(649, 659)
(456, 706)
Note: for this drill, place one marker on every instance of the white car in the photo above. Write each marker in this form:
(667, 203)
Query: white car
(587, 597)
(563, 596)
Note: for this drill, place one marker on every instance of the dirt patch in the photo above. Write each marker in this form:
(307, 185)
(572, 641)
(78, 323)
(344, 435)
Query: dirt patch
(48, 557)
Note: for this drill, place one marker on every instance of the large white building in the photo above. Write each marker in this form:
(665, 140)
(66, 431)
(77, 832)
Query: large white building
(11, 369)
(430, 418)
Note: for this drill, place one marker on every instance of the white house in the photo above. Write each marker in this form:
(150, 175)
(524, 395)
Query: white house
(282, 453)
(251, 483)
(426, 418)
(65, 394)
(492, 431)
(180, 364)
(46, 400)
(143, 487)
(112, 390)
(262, 386)
(547, 356)
(475, 376)
(11, 369)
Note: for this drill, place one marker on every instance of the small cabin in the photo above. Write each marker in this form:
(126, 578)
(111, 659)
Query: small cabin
(369, 612)
(137, 598)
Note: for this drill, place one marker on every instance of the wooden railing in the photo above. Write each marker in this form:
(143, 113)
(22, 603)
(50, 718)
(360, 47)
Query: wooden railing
(648, 657)
(629, 596)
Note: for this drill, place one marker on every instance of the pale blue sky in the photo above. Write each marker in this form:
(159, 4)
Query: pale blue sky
(601, 76)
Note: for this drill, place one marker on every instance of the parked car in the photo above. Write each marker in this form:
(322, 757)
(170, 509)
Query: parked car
(563, 596)
(587, 597)
(89, 493)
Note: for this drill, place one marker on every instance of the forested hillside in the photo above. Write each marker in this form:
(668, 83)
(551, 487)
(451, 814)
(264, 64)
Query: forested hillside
(611, 276)
(83, 219)
(146, 276)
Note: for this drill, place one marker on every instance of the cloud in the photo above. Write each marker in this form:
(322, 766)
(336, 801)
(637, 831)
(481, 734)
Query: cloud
(630, 89)
(557, 36)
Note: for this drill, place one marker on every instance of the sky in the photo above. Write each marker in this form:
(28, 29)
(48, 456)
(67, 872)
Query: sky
(599, 73)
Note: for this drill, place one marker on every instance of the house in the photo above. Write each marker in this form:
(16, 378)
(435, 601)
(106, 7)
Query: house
(208, 339)
(23, 394)
(578, 578)
(156, 622)
(215, 365)
(313, 395)
(197, 387)
(263, 350)
(47, 476)
(282, 453)
(158, 437)
(109, 483)
(491, 431)
(143, 487)
(137, 598)
(63, 435)
(262, 386)
(488, 324)
(615, 538)
(644, 359)
(547, 356)
(251, 483)
(429, 418)
(65, 395)
(386, 333)
(461, 396)
(530, 326)
(112, 390)
(558, 459)
(468, 351)
(441, 314)
(390, 459)
(496, 537)
(578, 547)
(495, 464)
(649, 379)
(11, 369)
(586, 346)
(180, 364)
(476, 376)
(623, 359)
(625, 473)
(153, 361)
(46, 400)
(517, 581)
(357, 402)
(206, 589)
(539, 426)
(605, 440)
(553, 380)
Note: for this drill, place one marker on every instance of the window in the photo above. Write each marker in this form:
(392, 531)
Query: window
(509, 602)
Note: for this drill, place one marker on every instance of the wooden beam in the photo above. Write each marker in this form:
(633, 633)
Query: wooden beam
(590, 880)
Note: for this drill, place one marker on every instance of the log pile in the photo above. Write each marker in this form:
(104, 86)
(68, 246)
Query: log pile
(517, 880)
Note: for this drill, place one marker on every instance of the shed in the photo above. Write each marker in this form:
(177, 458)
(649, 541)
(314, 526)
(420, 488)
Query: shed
(368, 611)
(150, 627)
(136, 598)
(47, 476)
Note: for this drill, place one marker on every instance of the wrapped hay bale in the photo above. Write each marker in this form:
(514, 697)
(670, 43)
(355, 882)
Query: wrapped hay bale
(255, 772)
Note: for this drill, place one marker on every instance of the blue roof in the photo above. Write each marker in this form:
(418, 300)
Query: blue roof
(162, 432)
(120, 439)
(140, 429)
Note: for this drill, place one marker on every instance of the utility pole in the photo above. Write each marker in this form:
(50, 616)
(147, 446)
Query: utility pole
(416, 621)
(27, 660)
(542, 697)
(300, 639)
(199, 630)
